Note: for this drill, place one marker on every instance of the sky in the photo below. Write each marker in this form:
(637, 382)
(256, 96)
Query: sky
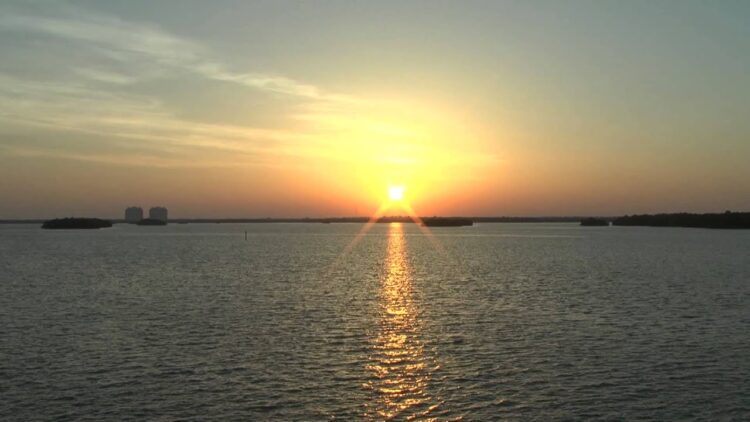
(315, 108)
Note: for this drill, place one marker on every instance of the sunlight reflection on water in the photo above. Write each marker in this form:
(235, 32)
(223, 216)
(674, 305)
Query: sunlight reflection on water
(400, 369)
(512, 322)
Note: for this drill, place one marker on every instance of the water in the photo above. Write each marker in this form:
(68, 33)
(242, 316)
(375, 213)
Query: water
(499, 321)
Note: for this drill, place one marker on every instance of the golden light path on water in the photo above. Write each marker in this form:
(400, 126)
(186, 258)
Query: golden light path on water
(399, 366)
(379, 213)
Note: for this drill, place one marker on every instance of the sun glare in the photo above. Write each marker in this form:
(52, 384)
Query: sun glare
(396, 193)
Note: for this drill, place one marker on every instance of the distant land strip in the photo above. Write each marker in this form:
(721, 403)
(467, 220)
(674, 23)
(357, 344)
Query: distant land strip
(725, 220)
(391, 219)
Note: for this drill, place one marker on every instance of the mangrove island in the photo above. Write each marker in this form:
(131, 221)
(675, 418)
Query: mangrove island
(726, 220)
(76, 223)
(447, 222)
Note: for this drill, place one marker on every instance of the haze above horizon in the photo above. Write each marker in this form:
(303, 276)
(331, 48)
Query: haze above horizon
(235, 109)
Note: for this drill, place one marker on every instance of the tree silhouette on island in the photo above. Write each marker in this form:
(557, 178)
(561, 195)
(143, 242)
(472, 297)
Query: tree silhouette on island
(726, 220)
(76, 223)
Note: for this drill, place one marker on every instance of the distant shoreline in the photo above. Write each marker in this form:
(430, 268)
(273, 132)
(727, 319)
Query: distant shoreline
(396, 219)
(726, 220)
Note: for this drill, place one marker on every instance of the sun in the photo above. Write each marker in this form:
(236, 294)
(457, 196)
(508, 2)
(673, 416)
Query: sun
(396, 193)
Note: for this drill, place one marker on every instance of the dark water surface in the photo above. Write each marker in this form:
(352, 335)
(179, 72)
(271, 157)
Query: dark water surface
(495, 322)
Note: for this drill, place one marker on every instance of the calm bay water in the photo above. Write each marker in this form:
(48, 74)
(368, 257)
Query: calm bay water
(498, 321)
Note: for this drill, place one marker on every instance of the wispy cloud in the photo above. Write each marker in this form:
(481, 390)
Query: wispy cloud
(121, 119)
(105, 76)
(127, 41)
(99, 86)
(106, 110)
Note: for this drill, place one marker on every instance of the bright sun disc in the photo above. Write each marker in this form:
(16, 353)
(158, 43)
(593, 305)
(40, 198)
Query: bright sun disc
(396, 193)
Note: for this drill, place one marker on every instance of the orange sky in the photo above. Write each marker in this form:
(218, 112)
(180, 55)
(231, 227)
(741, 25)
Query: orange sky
(294, 109)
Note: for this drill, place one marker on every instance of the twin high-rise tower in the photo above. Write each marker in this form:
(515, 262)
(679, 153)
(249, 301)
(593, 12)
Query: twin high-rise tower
(135, 214)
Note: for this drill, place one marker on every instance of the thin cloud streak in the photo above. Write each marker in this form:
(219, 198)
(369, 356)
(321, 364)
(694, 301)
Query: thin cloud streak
(131, 39)
(78, 109)
(103, 100)
(75, 106)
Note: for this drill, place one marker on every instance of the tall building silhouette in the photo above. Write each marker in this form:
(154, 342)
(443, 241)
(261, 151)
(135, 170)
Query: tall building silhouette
(158, 213)
(133, 214)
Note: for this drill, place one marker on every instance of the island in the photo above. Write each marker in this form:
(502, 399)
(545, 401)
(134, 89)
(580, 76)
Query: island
(447, 222)
(151, 222)
(726, 220)
(593, 222)
(76, 223)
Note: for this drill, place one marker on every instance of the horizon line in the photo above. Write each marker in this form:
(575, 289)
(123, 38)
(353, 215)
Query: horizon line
(510, 218)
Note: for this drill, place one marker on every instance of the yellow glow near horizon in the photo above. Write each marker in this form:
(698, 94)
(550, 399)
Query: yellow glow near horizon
(392, 151)
(396, 193)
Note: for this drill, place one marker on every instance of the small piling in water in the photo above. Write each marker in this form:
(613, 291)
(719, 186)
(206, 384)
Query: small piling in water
(246, 235)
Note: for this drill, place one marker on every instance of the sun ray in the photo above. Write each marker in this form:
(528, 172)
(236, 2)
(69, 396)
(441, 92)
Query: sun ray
(424, 229)
(361, 233)
(396, 200)
(366, 228)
